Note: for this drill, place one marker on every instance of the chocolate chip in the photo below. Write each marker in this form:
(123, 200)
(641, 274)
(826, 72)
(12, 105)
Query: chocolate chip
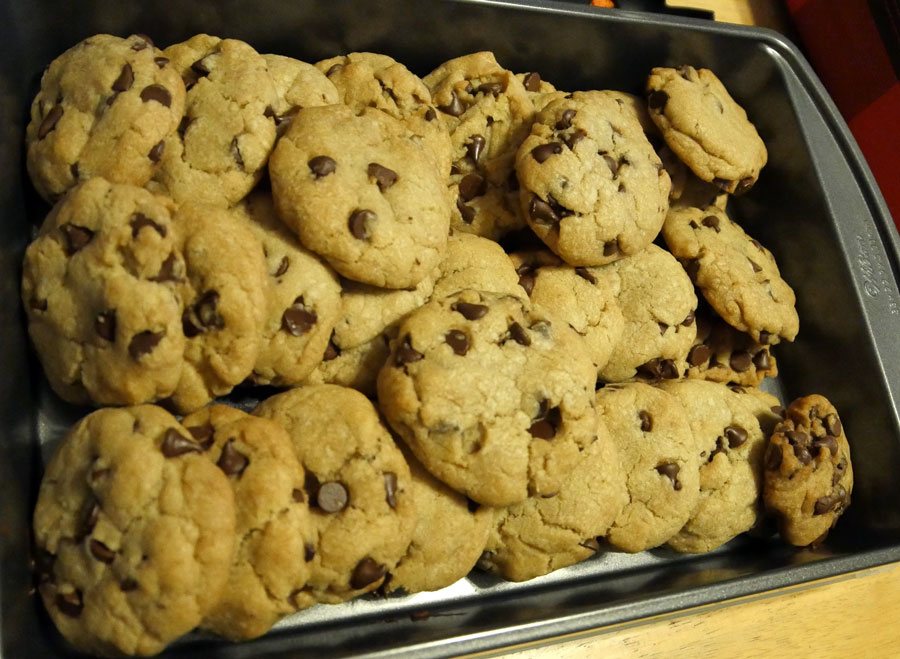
(283, 266)
(231, 461)
(183, 125)
(657, 100)
(87, 524)
(125, 80)
(720, 448)
(145, 42)
(471, 186)
(69, 604)
(140, 221)
(383, 176)
(542, 212)
(712, 222)
(591, 543)
(297, 320)
(761, 360)
(334, 68)
(584, 273)
(753, 264)
(544, 151)
(658, 368)
(475, 146)
(802, 454)
(105, 325)
(311, 485)
(297, 495)
(161, 61)
(740, 360)
(50, 121)
(699, 354)
(662, 328)
(175, 444)
(518, 334)
(469, 310)
(406, 353)
(143, 343)
(167, 270)
(688, 320)
(359, 223)
(827, 441)
(670, 470)
(236, 153)
(156, 153)
(839, 469)
(532, 81)
(101, 552)
(613, 165)
(646, 420)
(833, 425)
(526, 281)
(128, 584)
(778, 410)
(573, 139)
(458, 341)
(735, 436)
(773, 457)
(454, 108)
(156, 93)
(693, 225)
(722, 183)
(547, 422)
(390, 488)
(38, 304)
(430, 114)
(331, 351)
(744, 185)
(202, 315)
(764, 337)
(797, 438)
(75, 237)
(322, 166)
(203, 435)
(492, 88)
(828, 503)
(309, 553)
(611, 247)
(565, 120)
(366, 572)
(332, 497)
(466, 212)
(200, 68)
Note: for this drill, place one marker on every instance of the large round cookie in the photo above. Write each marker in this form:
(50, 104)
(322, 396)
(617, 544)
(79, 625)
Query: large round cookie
(706, 129)
(808, 473)
(539, 535)
(134, 532)
(273, 526)
(358, 487)
(228, 130)
(657, 300)
(735, 273)
(106, 107)
(361, 191)
(592, 187)
(304, 298)
(493, 396)
(731, 446)
(99, 285)
(488, 114)
(661, 461)
(577, 296)
(225, 303)
(297, 85)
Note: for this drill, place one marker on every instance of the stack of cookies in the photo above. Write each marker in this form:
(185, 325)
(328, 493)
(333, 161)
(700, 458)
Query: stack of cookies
(478, 295)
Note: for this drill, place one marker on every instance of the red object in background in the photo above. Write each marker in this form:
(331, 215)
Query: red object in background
(854, 45)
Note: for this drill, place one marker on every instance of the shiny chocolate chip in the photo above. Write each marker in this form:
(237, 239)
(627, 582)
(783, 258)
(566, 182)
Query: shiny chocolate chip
(332, 497)
(406, 353)
(475, 147)
(390, 488)
(829, 502)
(383, 176)
(125, 80)
(688, 320)
(101, 552)
(544, 151)
(143, 343)
(75, 238)
(454, 108)
(469, 310)
(322, 166)
(140, 221)
(670, 470)
(532, 81)
(105, 325)
(231, 461)
(297, 320)
(366, 572)
(722, 183)
(833, 425)
(156, 93)
(471, 186)
(740, 360)
(657, 100)
(175, 444)
(735, 436)
(69, 604)
(646, 420)
(87, 524)
(565, 121)
(762, 360)
(359, 223)
(658, 368)
(518, 334)
(458, 341)
(542, 212)
(156, 153)
(50, 121)
(712, 222)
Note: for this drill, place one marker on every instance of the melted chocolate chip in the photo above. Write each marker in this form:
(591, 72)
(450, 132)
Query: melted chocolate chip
(231, 461)
(492, 88)
(565, 121)
(454, 108)
(469, 310)
(322, 166)
(105, 325)
(471, 186)
(688, 320)
(359, 223)
(203, 435)
(297, 320)
(611, 248)
(383, 176)
(430, 114)
(50, 121)
(156, 93)
(658, 368)
(406, 353)
(366, 572)
(101, 552)
(75, 237)
(744, 185)
(753, 264)
(175, 444)
(457, 340)
(670, 470)
(390, 488)
(475, 146)
(591, 543)
(87, 524)
(332, 497)
(544, 151)
(167, 270)
(125, 80)
(547, 421)
(764, 337)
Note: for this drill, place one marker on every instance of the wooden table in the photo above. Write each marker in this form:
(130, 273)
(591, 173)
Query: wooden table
(847, 617)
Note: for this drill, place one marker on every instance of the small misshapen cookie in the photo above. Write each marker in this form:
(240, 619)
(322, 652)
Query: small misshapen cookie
(228, 130)
(736, 274)
(134, 532)
(808, 473)
(592, 187)
(704, 126)
(304, 298)
(539, 535)
(372, 80)
(297, 85)
(361, 191)
(100, 287)
(358, 486)
(661, 461)
(731, 445)
(493, 396)
(273, 526)
(107, 107)
(723, 354)
(488, 113)
(477, 263)
(225, 303)
(577, 296)
(450, 535)
(657, 300)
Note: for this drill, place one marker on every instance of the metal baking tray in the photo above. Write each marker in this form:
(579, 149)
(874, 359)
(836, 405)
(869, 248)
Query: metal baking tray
(816, 206)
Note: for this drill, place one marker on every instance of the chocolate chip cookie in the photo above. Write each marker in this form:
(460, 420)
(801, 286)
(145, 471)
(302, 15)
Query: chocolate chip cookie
(736, 274)
(493, 396)
(808, 473)
(592, 187)
(107, 107)
(100, 285)
(705, 127)
(361, 191)
(723, 354)
(477, 263)
(297, 85)
(358, 486)
(134, 532)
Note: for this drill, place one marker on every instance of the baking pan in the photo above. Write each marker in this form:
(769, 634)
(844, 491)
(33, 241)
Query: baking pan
(815, 206)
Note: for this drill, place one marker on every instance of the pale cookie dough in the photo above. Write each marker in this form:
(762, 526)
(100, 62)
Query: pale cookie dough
(704, 126)
(134, 532)
(361, 191)
(107, 107)
(477, 263)
(100, 287)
